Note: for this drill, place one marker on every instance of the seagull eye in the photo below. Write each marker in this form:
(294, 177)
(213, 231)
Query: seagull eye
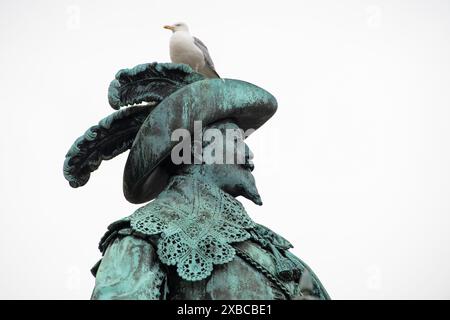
(177, 25)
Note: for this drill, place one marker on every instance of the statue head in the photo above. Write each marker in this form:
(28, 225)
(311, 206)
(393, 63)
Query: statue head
(178, 98)
(206, 102)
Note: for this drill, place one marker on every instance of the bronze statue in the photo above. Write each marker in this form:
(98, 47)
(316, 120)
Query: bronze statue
(193, 240)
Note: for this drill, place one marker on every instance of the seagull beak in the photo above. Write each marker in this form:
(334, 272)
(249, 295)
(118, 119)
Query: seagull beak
(169, 27)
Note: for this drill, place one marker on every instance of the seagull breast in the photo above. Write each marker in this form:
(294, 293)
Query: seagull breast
(184, 50)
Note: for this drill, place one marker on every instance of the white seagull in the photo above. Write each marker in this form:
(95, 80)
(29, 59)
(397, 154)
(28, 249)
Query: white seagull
(189, 50)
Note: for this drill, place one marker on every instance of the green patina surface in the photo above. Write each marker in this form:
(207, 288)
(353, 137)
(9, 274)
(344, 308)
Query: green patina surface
(216, 250)
(209, 101)
(194, 241)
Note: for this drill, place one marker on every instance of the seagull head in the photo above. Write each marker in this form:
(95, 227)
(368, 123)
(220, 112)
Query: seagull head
(179, 26)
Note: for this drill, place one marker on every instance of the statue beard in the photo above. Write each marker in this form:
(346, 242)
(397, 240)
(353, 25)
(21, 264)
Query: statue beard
(251, 193)
(236, 180)
(244, 185)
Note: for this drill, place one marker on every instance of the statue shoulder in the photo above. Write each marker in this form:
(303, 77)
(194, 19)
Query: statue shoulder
(269, 252)
(132, 261)
(118, 230)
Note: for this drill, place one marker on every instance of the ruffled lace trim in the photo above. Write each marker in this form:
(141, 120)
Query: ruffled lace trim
(194, 235)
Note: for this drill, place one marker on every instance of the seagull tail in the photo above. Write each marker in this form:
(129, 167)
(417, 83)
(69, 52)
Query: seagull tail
(216, 75)
(210, 73)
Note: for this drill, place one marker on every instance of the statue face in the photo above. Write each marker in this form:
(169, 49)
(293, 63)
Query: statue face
(232, 171)
(223, 159)
(236, 179)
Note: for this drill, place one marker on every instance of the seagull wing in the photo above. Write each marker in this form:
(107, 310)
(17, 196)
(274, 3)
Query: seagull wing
(208, 61)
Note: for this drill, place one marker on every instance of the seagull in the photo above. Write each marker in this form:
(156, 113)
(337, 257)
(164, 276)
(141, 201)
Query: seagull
(189, 50)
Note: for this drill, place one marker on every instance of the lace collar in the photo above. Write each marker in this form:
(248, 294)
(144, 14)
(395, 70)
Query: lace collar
(196, 222)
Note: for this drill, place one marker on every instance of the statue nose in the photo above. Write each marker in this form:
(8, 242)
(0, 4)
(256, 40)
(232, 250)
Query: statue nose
(250, 154)
(250, 166)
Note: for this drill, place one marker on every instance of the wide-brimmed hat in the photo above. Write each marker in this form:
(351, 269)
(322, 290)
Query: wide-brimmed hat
(207, 101)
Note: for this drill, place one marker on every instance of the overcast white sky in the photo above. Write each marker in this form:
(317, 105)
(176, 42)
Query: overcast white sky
(353, 169)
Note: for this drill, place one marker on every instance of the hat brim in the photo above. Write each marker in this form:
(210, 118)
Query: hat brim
(208, 101)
